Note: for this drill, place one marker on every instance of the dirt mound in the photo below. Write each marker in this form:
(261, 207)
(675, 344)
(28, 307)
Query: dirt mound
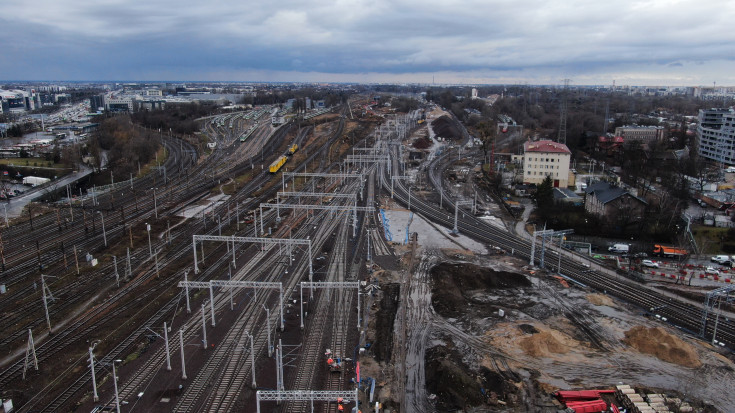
(659, 343)
(600, 299)
(453, 286)
(458, 387)
(422, 143)
(542, 344)
(445, 127)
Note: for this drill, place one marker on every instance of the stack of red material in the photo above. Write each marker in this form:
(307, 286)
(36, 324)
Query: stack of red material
(583, 401)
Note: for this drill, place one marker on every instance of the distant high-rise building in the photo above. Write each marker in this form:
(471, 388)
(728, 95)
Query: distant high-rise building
(96, 103)
(474, 93)
(119, 104)
(716, 135)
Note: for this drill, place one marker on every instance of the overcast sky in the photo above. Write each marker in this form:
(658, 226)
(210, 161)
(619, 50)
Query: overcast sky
(654, 42)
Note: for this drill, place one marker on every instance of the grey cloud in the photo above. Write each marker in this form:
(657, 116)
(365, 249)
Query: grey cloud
(577, 37)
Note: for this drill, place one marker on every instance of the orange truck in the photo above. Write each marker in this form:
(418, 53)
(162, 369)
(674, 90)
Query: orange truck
(669, 252)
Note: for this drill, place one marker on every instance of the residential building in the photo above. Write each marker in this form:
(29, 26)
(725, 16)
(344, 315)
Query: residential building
(645, 134)
(96, 102)
(716, 135)
(119, 104)
(153, 92)
(605, 200)
(546, 158)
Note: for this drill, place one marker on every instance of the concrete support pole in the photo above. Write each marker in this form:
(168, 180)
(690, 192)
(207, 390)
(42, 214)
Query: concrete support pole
(211, 303)
(45, 302)
(261, 220)
(186, 292)
(204, 328)
(95, 396)
(117, 395)
(183, 360)
(168, 352)
(117, 275)
(301, 303)
(268, 327)
(194, 248)
(253, 384)
(280, 297)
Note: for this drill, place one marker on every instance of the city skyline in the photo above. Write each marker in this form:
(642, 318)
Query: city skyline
(666, 43)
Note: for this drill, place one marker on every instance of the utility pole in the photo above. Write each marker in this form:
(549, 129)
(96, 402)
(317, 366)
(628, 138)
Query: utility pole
(95, 396)
(46, 294)
(30, 350)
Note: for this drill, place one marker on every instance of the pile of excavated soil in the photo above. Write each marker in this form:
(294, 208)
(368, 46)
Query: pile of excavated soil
(450, 380)
(446, 128)
(543, 344)
(662, 345)
(453, 286)
(600, 299)
(459, 387)
(422, 143)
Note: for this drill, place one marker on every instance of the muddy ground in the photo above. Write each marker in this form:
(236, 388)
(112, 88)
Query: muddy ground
(546, 338)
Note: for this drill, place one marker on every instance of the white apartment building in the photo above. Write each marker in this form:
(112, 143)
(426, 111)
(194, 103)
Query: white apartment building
(716, 135)
(542, 158)
(119, 103)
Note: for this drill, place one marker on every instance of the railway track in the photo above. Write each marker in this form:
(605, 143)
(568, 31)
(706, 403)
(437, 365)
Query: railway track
(187, 184)
(685, 315)
(67, 394)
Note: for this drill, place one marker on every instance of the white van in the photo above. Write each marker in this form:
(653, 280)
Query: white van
(619, 248)
(720, 259)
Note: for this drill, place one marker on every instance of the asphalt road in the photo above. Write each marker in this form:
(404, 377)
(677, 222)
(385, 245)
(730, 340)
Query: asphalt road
(15, 205)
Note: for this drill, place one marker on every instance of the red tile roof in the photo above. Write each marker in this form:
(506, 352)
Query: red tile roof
(546, 146)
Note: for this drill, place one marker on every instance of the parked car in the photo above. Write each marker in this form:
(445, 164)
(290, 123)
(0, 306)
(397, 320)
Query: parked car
(711, 271)
(649, 263)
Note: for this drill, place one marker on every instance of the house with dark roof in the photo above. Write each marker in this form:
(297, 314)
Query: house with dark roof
(605, 200)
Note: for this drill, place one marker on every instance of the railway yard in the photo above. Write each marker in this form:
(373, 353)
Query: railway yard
(310, 266)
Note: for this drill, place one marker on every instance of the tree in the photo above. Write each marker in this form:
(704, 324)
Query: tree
(544, 197)
(487, 134)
